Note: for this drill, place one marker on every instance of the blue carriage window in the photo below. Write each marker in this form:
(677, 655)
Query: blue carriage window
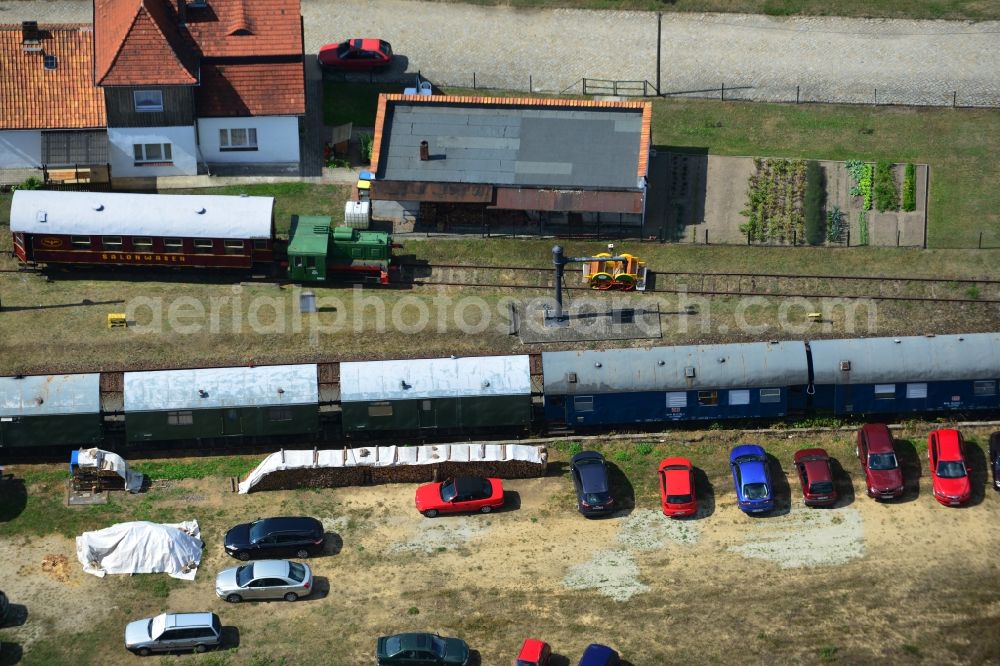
(583, 403)
(915, 391)
(708, 398)
(885, 391)
(677, 399)
(739, 397)
(984, 387)
(770, 395)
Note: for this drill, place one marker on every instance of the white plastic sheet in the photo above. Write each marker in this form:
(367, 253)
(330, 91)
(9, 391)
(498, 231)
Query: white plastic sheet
(142, 547)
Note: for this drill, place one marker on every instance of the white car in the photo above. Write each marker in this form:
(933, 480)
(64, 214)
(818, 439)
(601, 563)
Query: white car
(173, 631)
(265, 579)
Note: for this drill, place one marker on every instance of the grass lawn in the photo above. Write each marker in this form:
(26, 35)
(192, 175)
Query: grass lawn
(353, 102)
(975, 10)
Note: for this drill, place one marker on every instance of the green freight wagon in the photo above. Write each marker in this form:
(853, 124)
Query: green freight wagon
(317, 252)
(221, 402)
(50, 410)
(429, 395)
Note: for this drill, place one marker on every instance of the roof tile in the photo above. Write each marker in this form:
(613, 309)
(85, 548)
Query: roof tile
(251, 89)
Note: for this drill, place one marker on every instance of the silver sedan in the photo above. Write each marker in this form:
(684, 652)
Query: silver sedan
(265, 579)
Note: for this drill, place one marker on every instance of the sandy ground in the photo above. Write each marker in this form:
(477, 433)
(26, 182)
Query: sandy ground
(862, 582)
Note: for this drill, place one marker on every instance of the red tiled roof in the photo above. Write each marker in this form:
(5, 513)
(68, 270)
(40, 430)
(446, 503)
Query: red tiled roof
(32, 97)
(228, 28)
(251, 89)
(138, 43)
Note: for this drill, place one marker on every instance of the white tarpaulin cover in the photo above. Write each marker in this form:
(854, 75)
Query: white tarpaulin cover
(389, 456)
(142, 547)
(111, 461)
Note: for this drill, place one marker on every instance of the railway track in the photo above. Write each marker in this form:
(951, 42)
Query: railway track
(913, 289)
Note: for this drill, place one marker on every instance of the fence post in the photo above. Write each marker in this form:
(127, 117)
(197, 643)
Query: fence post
(876, 97)
(584, 85)
(980, 240)
(795, 237)
(531, 85)
(748, 237)
(659, 39)
(954, 99)
(473, 80)
(848, 237)
(723, 91)
(897, 237)
(796, 94)
(706, 236)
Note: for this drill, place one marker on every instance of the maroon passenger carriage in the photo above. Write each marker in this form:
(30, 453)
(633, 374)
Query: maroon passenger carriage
(180, 230)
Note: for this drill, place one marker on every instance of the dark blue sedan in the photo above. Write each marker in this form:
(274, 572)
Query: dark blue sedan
(752, 478)
(599, 655)
(590, 478)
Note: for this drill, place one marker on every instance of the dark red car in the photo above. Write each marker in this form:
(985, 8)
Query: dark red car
(677, 487)
(883, 477)
(356, 55)
(816, 477)
(533, 653)
(949, 473)
(459, 495)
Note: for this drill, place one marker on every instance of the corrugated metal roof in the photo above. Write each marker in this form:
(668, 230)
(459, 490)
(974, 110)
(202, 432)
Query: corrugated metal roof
(668, 368)
(213, 388)
(435, 378)
(47, 395)
(113, 214)
(910, 359)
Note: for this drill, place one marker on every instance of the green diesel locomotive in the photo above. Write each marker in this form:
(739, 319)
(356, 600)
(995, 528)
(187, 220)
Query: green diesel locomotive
(318, 252)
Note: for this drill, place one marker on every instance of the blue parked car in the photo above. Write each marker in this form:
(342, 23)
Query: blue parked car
(593, 487)
(599, 655)
(752, 478)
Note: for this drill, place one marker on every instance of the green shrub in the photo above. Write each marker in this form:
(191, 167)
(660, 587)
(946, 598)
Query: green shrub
(910, 188)
(812, 204)
(367, 143)
(30, 183)
(862, 228)
(644, 449)
(886, 194)
(861, 172)
(834, 225)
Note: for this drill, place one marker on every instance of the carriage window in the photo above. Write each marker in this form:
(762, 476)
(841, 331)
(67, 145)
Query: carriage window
(280, 414)
(203, 246)
(180, 418)
(986, 387)
(142, 243)
(770, 395)
(173, 245)
(380, 410)
(914, 391)
(260, 244)
(677, 399)
(111, 242)
(739, 397)
(708, 398)
(885, 391)
(234, 247)
(80, 241)
(583, 403)
(310, 262)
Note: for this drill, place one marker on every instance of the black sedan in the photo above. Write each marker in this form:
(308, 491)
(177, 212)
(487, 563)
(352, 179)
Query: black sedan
(593, 489)
(421, 650)
(276, 537)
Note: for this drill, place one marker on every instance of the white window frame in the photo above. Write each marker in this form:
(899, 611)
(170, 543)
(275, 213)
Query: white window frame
(204, 246)
(180, 417)
(885, 391)
(140, 153)
(770, 395)
(142, 243)
(145, 101)
(237, 138)
(916, 391)
(111, 242)
(379, 410)
(80, 241)
(234, 246)
(739, 396)
(173, 245)
(677, 398)
(984, 387)
(583, 404)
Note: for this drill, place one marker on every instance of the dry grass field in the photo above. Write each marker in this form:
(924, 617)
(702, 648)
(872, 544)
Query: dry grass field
(897, 583)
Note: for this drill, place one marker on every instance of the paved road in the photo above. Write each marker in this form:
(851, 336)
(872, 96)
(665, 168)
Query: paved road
(756, 57)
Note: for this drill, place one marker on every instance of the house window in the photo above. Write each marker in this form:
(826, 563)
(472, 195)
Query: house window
(384, 409)
(708, 398)
(985, 387)
(148, 100)
(739, 397)
(234, 246)
(145, 153)
(914, 391)
(80, 241)
(203, 245)
(142, 243)
(173, 245)
(583, 403)
(238, 139)
(770, 395)
(280, 414)
(677, 399)
(111, 242)
(180, 418)
(885, 391)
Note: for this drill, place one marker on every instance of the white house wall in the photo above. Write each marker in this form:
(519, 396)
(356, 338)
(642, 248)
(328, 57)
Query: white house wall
(20, 149)
(277, 140)
(184, 150)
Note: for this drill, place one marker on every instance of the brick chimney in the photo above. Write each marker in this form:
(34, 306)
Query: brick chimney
(424, 151)
(31, 38)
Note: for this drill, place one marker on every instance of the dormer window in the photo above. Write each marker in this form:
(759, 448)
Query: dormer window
(148, 100)
(51, 62)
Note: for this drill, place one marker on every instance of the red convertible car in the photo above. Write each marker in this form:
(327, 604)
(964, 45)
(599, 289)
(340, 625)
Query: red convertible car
(949, 472)
(677, 487)
(459, 495)
(356, 55)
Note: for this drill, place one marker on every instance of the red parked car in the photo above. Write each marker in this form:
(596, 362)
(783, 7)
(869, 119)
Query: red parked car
(356, 55)
(816, 477)
(533, 653)
(460, 494)
(883, 477)
(677, 487)
(949, 473)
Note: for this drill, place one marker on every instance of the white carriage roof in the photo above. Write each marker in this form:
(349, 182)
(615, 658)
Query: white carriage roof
(216, 388)
(119, 214)
(48, 395)
(435, 378)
